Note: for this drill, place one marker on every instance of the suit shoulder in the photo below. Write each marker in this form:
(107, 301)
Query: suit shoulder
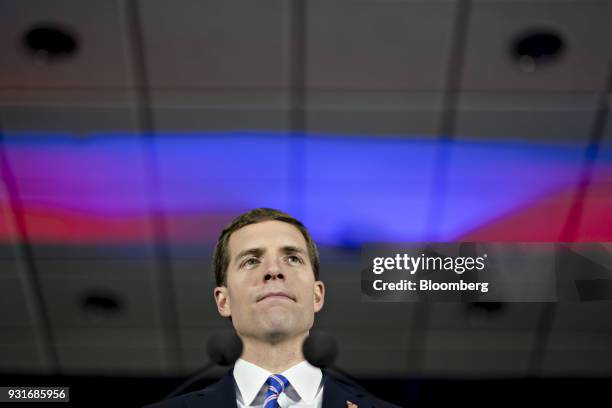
(181, 401)
(175, 402)
(359, 392)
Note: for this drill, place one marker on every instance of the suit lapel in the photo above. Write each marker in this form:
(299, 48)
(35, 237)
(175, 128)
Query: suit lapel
(335, 395)
(220, 394)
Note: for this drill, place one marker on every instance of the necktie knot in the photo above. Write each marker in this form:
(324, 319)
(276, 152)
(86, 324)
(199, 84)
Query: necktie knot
(276, 384)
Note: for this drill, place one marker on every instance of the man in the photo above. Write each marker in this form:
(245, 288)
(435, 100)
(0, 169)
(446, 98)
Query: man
(267, 273)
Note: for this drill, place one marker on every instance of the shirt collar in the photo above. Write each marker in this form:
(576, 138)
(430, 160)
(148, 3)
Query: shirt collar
(303, 377)
(249, 379)
(305, 380)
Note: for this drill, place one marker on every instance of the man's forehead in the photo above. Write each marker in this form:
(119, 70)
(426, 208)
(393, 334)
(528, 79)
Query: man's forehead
(264, 234)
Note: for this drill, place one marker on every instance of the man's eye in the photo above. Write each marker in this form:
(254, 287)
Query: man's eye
(294, 259)
(250, 262)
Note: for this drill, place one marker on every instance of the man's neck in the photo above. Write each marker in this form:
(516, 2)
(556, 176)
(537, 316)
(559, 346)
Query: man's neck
(275, 357)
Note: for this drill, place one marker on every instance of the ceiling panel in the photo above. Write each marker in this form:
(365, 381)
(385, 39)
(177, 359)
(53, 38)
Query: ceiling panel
(579, 316)
(461, 353)
(107, 337)
(530, 117)
(607, 131)
(136, 360)
(193, 262)
(79, 121)
(577, 353)
(378, 44)
(391, 339)
(339, 270)
(494, 27)
(21, 345)
(20, 351)
(112, 350)
(67, 111)
(341, 296)
(382, 363)
(93, 266)
(14, 308)
(374, 113)
(220, 119)
(59, 259)
(10, 267)
(224, 110)
(216, 44)
(101, 54)
(195, 303)
(373, 353)
(484, 316)
(101, 301)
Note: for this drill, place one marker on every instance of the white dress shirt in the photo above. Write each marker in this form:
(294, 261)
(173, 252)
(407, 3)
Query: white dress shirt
(305, 388)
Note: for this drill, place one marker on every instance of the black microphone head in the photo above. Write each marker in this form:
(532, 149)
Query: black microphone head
(224, 348)
(320, 349)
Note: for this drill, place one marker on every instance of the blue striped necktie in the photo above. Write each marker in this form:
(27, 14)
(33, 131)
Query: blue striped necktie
(276, 384)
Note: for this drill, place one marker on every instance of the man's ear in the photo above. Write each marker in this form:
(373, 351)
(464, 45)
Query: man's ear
(319, 295)
(222, 300)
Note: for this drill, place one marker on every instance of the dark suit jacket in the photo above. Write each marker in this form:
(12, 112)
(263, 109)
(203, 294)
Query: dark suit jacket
(336, 393)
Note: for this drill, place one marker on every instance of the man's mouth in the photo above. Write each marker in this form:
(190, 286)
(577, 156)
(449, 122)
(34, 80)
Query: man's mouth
(276, 295)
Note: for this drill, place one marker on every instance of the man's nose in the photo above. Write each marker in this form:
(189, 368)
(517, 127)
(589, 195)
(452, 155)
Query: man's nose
(273, 270)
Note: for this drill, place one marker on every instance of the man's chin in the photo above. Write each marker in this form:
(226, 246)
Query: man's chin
(278, 330)
(276, 336)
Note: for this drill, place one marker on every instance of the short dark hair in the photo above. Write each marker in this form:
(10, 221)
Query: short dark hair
(221, 255)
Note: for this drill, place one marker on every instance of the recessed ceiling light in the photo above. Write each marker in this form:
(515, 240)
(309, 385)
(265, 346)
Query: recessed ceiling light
(479, 313)
(534, 48)
(101, 304)
(50, 42)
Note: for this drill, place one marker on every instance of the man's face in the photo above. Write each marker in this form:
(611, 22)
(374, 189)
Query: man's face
(271, 292)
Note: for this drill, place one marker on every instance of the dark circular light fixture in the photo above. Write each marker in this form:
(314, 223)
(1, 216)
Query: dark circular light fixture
(101, 304)
(537, 47)
(50, 41)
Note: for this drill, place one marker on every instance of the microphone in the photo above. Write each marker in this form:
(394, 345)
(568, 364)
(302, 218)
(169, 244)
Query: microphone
(321, 350)
(223, 349)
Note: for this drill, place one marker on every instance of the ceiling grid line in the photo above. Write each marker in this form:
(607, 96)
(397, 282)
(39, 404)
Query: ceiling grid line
(421, 322)
(42, 322)
(164, 284)
(449, 112)
(297, 108)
